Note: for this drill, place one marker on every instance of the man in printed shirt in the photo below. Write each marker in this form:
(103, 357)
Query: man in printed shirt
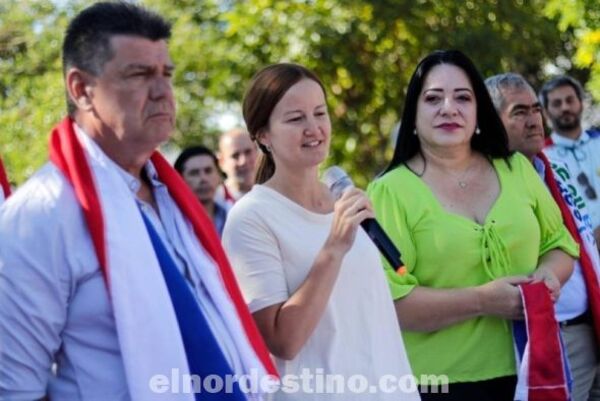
(576, 312)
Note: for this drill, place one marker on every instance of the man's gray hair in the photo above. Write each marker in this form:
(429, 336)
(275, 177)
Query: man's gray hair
(502, 82)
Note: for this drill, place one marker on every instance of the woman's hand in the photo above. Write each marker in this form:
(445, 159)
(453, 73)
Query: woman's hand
(502, 298)
(349, 211)
(549, 278)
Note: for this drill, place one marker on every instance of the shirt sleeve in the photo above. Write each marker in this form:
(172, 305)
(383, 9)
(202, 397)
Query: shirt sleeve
(34, 293)
(255, 258)
(553, 233)
(391, 215)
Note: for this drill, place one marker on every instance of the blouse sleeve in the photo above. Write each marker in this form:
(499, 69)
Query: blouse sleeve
(391, 215)
(554, 234)
(254, 254)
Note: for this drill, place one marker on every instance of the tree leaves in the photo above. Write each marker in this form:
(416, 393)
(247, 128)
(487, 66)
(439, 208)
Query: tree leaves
(364, 51)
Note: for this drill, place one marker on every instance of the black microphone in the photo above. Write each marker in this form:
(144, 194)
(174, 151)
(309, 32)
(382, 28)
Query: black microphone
(337, 181)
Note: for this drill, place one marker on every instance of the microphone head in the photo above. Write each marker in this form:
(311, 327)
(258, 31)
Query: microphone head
(336, 180)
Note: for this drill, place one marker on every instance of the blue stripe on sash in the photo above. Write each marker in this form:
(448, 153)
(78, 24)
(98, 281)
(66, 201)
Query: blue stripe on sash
(520, 337)
(204, 354)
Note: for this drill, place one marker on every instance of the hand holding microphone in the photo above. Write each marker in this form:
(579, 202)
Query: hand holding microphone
(349, 211)
(338, 181)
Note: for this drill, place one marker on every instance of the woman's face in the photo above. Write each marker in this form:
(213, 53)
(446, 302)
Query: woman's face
(299, 129)
(446, 108)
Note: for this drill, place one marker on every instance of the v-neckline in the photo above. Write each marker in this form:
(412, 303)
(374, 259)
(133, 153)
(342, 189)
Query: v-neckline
(441, 207)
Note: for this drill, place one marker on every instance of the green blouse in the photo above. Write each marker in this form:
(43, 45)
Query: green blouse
(445, 250)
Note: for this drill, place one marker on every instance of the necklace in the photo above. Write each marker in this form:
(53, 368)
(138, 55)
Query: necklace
(462, 178)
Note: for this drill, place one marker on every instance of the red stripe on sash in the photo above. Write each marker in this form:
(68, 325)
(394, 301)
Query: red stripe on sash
(67, 154)
(547, 379)
(4, 181)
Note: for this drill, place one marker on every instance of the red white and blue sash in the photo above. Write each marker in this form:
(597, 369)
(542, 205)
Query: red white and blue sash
(150, 335)
(542, 367)
(4, 184)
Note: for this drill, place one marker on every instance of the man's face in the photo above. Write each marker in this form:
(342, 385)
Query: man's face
(202, 176)
(564, 108)
(237, 159)
(133, 96)
(522, 118)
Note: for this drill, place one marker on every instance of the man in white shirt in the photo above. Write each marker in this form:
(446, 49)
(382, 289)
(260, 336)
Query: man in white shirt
(107, 270)
(521, 113)
(579, 149)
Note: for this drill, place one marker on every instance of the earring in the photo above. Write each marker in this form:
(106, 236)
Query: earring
(268, 148)
(415, 131)
(477, 131)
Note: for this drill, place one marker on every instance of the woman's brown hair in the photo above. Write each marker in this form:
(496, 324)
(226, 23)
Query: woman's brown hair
(266, 90)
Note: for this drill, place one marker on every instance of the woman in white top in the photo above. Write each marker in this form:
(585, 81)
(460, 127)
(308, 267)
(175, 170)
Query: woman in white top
(312, 279)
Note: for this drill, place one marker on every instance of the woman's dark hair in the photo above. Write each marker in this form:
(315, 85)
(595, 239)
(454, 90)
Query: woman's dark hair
(493, 140)
(264, 92)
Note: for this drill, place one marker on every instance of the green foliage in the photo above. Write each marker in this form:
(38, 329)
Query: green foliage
(583, 18)
(364, 51)
(31, 91)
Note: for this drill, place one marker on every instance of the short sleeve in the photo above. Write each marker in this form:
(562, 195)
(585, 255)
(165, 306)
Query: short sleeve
(255, 257)
(554, 234)
(391, 215)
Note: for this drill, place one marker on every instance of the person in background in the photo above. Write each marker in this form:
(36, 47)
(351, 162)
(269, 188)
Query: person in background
(237, 159)
(578, 308)
(200, 170)
(562, 100)
(311, 277)
(472, 222)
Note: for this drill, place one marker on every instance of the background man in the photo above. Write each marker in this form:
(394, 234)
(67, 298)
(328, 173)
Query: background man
(562, 99)
(521, 114)
(237, 158)
(199, 168)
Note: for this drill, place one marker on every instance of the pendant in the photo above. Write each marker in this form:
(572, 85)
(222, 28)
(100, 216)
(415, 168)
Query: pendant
(462, 184)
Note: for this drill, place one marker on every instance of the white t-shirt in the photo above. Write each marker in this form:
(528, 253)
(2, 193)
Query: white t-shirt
(272, 243)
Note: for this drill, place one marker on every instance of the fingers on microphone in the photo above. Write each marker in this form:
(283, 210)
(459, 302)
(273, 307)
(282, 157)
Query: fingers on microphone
(359, 203)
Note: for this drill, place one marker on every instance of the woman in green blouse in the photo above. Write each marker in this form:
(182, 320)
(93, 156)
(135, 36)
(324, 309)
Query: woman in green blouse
(472, 222)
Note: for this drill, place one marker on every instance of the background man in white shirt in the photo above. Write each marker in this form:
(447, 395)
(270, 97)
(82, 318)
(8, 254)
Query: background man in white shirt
(562, 100)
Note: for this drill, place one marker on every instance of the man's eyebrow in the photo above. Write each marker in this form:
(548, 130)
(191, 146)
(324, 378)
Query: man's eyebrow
(521, 106)
(146, 67)
(136, 66)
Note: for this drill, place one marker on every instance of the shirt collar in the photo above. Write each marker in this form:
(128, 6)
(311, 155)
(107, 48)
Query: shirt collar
(565, 142)
(539, 166)
(133, 183)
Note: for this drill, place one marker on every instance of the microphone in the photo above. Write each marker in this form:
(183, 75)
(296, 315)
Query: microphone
(338, 181)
